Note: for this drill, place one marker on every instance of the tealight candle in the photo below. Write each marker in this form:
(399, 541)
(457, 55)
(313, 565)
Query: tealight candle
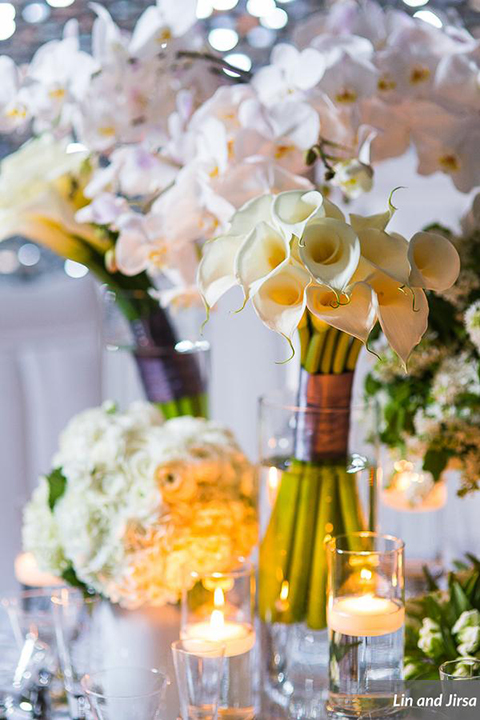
(365, 615)
(29, 574)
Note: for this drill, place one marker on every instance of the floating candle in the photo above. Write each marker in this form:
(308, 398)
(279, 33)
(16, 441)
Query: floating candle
(365, 615)
(236, 637)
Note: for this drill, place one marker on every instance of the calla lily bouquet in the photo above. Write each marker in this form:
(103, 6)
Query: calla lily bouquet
(306, 267)
(300, 261)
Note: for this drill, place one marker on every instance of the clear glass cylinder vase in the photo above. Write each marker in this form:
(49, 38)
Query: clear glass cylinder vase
(172, 364)
(318, 479)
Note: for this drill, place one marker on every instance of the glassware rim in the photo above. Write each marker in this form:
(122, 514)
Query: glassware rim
(465, 660)
(244, 568)
(268, 400)
(62, 599)
(215, 649)
(152, 671)
(47, 592)
(398, 542)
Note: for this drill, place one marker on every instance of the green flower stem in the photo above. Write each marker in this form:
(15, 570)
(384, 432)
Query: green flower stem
(314, 352)
(275, 548)
(353, 354)
(326, 527)
(329, 351)
(352, 514)
(299, 571)
(341, 353)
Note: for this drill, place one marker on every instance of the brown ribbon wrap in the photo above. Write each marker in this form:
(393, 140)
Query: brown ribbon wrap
(323, 423)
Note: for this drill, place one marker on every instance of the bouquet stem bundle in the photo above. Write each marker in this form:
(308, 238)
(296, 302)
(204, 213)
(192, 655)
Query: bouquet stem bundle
(318, 494)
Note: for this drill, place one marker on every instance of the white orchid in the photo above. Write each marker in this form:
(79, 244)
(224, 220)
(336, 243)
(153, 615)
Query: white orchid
(58, 77)
(290, 73)
(14, 111)
(295, 251)
(159, 24)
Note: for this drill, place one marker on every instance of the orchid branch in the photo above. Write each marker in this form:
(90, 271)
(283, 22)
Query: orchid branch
(220, 63)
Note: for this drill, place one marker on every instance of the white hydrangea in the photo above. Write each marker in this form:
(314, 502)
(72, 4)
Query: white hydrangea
(144, 501)
(456, 375)
(472, 323)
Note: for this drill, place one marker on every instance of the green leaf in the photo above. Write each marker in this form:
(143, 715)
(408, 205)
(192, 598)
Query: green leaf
(432, 585)
(372, 386)
(460, 601)
(57, 483)
(70, 577)
(435, 462)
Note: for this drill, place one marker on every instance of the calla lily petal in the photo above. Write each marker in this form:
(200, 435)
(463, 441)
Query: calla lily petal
(261, 253)
(386, 252)
(254, 211)
(293, 209)
(330, 251)
(403, 313)
(356, 317)
(332, 210)
(280, 301)
(216, 272)
(434, 260)
(378, 221)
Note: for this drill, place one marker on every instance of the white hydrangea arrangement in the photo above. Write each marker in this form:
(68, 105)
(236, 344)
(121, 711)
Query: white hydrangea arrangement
(135, 503)
(432, 416)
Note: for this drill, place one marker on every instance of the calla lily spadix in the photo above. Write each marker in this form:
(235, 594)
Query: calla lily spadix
(295, 250)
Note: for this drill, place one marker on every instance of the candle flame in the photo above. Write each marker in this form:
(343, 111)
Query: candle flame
(217, 623)
(218, 597)
(285, 589)
(366, 574)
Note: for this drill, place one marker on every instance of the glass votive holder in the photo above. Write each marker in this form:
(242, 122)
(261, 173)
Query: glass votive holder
(219, 608)
(460, 669)
(366, 618)
(128, 693)
(199, 668)
(78, 631)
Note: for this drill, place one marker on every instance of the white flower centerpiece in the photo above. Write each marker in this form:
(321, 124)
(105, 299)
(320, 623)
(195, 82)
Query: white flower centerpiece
(133, 505)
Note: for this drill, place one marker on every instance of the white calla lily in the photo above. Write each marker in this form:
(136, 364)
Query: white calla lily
(216, 272)
(385, 252)
(261, 254)
(332, 210)
(434, 261)
(403, 313)
(292, 210)
(280, 301)
(254, 211)
(330, 250)
(355, 314)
